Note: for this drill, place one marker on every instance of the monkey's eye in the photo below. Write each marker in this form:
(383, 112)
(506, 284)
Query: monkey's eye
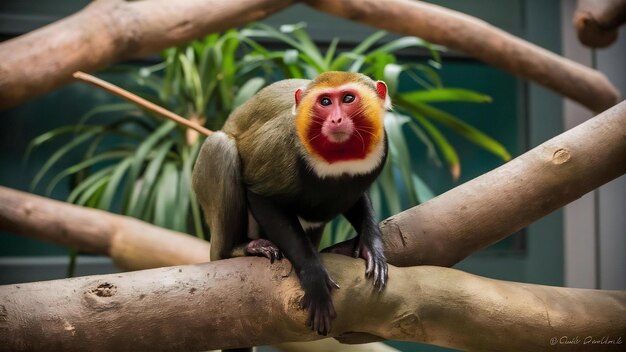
(325, 101)
(348, 98)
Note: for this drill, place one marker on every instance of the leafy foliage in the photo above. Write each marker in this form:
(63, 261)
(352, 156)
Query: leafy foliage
(140, 165)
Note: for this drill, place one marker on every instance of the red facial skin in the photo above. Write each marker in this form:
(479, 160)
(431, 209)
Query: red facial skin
(339, 131)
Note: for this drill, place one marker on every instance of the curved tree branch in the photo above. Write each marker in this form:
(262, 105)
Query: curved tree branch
(132, 244)
(480, 212)
(246, 301)
(598, 21)
(483, 41)
(109, 31)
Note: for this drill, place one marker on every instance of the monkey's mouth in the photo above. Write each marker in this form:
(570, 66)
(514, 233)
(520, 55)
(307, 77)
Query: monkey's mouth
(338, 133)
(339, 137)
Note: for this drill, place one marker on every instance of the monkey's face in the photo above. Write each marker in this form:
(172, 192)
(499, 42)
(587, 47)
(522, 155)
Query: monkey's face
(341, 123)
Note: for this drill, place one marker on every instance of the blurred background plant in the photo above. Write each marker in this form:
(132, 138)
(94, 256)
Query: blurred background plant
(138, 164)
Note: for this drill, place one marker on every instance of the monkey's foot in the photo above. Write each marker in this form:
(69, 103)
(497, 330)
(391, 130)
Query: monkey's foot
(265, 248)
(377, 268)
(318, 303)
(373, 254)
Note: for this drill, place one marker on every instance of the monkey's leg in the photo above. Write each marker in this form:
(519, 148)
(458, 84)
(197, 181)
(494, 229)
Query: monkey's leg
(285, 231)
(368, 244)
(218, 187)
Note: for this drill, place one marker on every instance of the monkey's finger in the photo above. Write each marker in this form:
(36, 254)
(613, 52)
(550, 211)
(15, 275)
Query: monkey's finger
(370, 264)
(381, 280)
(276, 254)
(310, 317)
(327, 319)
(333, 313)
(270, 254)
(376, 273)
(317, 320)
(331, 283)
(326, 324)
(385, 276)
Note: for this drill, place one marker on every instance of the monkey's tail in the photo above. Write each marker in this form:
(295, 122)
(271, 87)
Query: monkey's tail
(218, 185)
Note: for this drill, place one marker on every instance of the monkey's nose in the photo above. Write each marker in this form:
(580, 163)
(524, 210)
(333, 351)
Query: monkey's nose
(337, 120)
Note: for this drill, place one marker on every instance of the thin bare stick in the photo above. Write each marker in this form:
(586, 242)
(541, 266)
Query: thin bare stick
(135, 99)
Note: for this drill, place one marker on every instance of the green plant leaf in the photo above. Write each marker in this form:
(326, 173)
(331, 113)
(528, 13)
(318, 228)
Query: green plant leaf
(469, 132)
(422, 191)
(117, 107)
(166, 197)
(391, 75)
(188, 156)
(290, 57)
(431, 150)
(446, 95)
(343, 230)
(430, 73)
(112, 186)
(447, 150)
(82, 165)
(141, 194)
(399, 151)
(56, 156)
(138, 161)
(89, 182)
(387, 184)
(367, 43)
(402, 43)
(248, 89)
(45, 137)
(330, 53)
(93, 193)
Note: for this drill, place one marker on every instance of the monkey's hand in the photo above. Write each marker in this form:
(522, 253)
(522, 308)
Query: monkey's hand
(317, 300)
(265, 248)
(370, 248)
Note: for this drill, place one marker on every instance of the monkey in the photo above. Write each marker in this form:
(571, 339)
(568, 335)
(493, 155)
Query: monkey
(292, 158)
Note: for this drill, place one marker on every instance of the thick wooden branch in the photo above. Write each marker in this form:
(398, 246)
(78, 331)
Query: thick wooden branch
(598, 21)
(246, 301)
(108, 31)
(448, 228)
(483, 41)
(132, 244)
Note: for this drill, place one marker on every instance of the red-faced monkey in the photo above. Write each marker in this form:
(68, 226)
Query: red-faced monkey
(290, 159)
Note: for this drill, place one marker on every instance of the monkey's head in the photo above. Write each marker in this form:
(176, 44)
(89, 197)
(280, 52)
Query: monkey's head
(339, 122)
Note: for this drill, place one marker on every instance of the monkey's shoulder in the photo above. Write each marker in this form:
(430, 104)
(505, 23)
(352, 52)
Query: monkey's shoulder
(270, 103)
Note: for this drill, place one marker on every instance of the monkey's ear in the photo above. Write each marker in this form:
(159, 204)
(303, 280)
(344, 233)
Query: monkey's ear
(381, 89)
(298, 95)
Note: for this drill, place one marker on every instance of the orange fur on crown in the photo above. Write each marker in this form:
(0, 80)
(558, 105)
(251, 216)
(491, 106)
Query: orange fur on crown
(371, 104)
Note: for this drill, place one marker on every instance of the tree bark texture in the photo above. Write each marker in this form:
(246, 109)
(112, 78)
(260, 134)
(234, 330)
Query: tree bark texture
(480, 212)
(131, 243)
(598, 21)
(108, 31)
(246, 301)
(483, 41)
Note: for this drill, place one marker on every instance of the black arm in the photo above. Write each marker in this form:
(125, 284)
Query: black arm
(369, 244)
(283, 228)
